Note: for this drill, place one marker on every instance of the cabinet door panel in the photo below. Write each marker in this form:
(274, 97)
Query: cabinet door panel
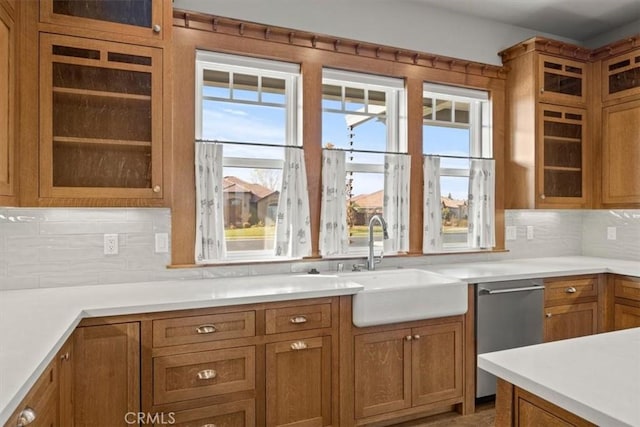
(235, 414)
(298, 383)
(570, 321)
(626, 317)
(436, 363)
(7, 102)
(562, 80)
(106, 369)
(382, 369)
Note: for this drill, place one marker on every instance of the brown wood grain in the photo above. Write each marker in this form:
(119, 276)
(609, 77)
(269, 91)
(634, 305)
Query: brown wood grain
(7, 103)
(570, 321)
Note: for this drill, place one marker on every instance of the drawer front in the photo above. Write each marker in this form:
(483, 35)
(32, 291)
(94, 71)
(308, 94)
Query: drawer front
(235, 414)
(206, 373)
(298, 318)
(196, 329)
(627, 288)
(41, 401)
(566, 291)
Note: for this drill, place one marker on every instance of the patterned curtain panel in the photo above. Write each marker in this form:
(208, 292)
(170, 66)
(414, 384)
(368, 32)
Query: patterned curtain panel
(210, 244)
(397, 173)
(432, 222)
(293, 229)
(334, 232)
(482, 203)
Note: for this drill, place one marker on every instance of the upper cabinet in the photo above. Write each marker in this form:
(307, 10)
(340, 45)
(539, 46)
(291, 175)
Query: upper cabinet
(621, 76)
(7, 101)
(547, 144)
(141, 18)
(561, 81)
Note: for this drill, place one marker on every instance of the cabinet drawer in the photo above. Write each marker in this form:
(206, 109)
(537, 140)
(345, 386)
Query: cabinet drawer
(566, 291)
(196, 329)
(202, 374)
(627, 288)
(234, 414)
(42, 401)
(298, 318)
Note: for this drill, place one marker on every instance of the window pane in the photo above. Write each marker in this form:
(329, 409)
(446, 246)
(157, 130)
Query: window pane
(365, 200)
(443, 110)
(356, 131)
(216, 83)
(461, 112)
(354, 99)
(229, 121)
(332, 97)
(454, 194)
(273, 90)
(445, 140)
(427, 109)
(245, 87)
(250, 207)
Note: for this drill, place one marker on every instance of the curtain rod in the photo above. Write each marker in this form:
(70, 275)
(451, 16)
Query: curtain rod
(257, 144)
(458, 157)
(351, 150)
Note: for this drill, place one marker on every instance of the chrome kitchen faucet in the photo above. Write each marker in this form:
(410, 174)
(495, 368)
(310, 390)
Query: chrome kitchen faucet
(372, 260)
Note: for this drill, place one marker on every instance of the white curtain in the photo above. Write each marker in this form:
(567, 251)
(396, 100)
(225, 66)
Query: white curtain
(293, 229)
(334, 232)
(482, 203)
(210, 244)
(432, 220)
(397, 174)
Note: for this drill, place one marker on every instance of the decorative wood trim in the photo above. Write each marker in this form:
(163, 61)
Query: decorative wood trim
(616, 48)
(549, 46)
(252, 30)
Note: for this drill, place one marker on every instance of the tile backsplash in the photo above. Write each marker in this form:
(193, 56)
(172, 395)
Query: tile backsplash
(49, 247)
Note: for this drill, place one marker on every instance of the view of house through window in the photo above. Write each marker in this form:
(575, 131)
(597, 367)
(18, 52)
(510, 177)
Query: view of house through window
(456, 127)
(361, 115)
(250, 106)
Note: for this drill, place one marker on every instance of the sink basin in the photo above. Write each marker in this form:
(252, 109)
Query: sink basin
(392, 296)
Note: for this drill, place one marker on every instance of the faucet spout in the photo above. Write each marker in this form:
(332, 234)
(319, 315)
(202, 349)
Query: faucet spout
(372, 260)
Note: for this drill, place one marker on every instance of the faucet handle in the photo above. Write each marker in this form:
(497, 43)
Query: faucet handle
(380, 258)
(358, 267)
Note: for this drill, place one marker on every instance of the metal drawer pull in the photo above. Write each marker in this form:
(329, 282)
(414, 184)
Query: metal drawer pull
(207, 374)
(298, 345)
(298, 319)
(570, 290)
(206, 329)
(408, 338)
(209, 425)
(484, 291)
(548, 315)
(26, 417)
(416, 337)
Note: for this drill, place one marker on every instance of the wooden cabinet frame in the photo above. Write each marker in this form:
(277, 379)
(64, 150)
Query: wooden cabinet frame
(7, 103)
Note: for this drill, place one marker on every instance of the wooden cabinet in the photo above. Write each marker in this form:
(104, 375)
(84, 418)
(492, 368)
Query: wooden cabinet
(106, 374)
(627, 302)
(41, 403)
(547, 146)
(100, 122)
(621, 76)
(571, 307)
(408, 367)
(7, 102)
(141, 18)
(235, 414)
(298, 382)
(620, 154)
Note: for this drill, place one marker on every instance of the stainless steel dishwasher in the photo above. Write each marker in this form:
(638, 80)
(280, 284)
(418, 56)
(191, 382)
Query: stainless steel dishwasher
(508, 315)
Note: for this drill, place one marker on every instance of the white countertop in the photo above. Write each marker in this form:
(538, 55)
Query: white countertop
(35, 323)
(596, 377)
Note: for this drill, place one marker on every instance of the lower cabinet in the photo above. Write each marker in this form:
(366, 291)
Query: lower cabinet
(406, 368)
(571, 307)
(235, 414)
(626, 316)
(627, 302)
(40, 407)
(298, 382)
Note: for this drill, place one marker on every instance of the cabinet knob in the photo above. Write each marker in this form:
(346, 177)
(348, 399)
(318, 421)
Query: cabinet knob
(408, 338)
(548, 315)
(206, 329)
(298, 319)
(570, 290)
(64, 356)
(298, 345)
(157, 28)
(156, 188)
(207, 374)
(542, 196)
(416, 337)
(26, 417)
(542, 90)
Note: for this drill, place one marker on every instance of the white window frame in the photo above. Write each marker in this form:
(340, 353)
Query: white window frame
(290, 73)
(396, 114)
(480, 124)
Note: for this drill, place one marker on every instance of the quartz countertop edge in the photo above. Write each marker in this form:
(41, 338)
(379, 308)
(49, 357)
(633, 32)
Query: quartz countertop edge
(563, 373)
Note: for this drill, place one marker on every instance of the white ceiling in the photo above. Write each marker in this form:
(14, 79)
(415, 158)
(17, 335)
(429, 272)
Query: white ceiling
(578, 20)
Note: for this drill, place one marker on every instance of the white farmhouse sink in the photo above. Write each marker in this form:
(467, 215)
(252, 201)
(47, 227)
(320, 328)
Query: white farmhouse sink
(392, 296)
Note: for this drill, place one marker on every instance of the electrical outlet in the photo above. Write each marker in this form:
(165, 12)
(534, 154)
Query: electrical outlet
(611, 233)
(529, 232)
(111, 244)
(512, 232)
(162, 243)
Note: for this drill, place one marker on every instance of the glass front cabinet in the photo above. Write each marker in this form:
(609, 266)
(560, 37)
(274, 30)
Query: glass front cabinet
(562, 81)
(561, 156)
(101, 119)
(621, 76)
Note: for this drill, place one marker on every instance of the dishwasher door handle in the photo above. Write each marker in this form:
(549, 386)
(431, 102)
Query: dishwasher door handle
(484, 291)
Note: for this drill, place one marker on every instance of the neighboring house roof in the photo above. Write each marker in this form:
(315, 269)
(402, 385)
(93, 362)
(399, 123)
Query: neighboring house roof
(233, 184)
(452, 203)
(368, 201)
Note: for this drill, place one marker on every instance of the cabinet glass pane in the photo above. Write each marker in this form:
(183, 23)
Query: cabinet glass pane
(101, 79)
(562, 84)
(131, 12)
(625, 80)
(559, 183)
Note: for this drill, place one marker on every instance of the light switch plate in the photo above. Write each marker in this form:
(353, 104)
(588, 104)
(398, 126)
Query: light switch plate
(111, 244)
(512, 232)
(162, 243)
(611, 233)
(529, 232)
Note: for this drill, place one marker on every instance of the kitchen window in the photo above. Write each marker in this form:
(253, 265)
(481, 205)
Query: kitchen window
(456, 141)
(247, 115)
(364, 127)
